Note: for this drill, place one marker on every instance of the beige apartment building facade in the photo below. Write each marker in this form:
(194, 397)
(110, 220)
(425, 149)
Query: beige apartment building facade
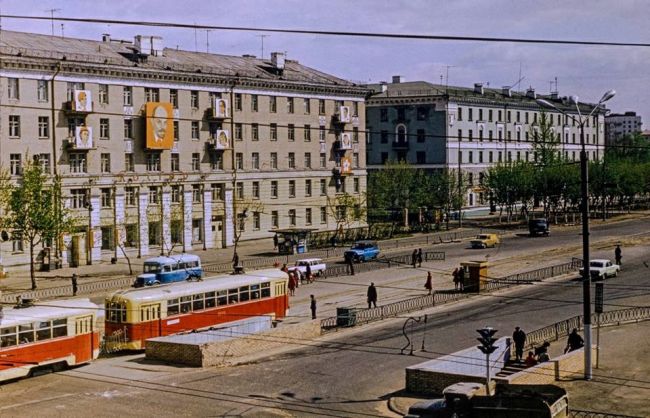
(162, 150)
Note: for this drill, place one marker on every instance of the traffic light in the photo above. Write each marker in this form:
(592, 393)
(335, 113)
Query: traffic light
(487, 340)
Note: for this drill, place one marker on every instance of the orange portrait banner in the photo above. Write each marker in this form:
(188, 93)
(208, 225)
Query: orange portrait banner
(160, 125)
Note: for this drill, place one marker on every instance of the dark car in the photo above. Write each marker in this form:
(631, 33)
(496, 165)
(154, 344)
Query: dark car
(538, 227)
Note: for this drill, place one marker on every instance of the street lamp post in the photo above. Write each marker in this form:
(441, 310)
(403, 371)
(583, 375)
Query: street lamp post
(584, 209)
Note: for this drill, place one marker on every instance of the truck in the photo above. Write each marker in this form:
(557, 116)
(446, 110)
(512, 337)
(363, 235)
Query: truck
(538, 227)
(509, 401)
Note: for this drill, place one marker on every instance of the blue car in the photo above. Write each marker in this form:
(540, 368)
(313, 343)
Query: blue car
(362, 251)
(175, 268)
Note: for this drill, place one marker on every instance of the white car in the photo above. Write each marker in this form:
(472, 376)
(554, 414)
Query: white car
(317, 266)
(602, 269)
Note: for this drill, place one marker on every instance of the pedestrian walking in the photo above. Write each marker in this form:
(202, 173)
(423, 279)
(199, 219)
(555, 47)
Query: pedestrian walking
(574, 341)
(427, 284)
(312, 306)
(454, 276)
(74, 284)
(275, 241)
(349, 259)
(519, 337)
(461, 279)
(372, 295)
(292, 285)
(235, 262)
(414, 258)
(419, 257)
(310, 278)
(618, 254)
(285, 268)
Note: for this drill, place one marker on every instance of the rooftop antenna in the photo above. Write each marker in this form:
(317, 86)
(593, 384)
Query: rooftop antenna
(52, 11)
(447, 78)
(262, 39)
(196, 48)
(207, 40)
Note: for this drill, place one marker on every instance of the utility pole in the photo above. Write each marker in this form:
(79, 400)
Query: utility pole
(52, 11)
(262, 39)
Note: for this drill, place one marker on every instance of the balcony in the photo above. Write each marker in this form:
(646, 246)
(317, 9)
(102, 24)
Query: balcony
(400, 145)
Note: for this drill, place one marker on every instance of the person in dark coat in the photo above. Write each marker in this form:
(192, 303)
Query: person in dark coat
(349, 259)
(428, 285)
(461, 278)
(574, 341)
(420, 257)
(74, 284)
(372, 295)
(618, 254)
(519, 337)
(275, 241)
(312, 306)
(454, 274)
(235, 261)
(310, 278)
(414, 258)
(292, 284)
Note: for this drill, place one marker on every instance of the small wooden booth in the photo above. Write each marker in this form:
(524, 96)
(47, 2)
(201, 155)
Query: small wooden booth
(476, 275)
(293, 240)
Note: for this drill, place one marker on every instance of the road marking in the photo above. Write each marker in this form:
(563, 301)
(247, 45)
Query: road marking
(17, 405)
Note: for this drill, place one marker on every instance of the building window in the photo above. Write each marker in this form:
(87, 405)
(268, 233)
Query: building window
(151, 94)
(256, 221)
(321, 106)
(254, 103)
(71, 87)
(384, 137)
(127, 96)
(308, 216)
(238, 132)
(106, 197)
(292, 188)
(238, 101)
(421, 157)
(13, 89)
(239, 190)
(129, 196)
(355, 135)
(175, 194)
(323, 214)
(383, 115)
(196, 161)
(274, 132)
(197, 191)
(274, 189)
(173, 98)
(194, 99)
(105, 162)
(355, 184)
(103, 129)
(216, 161)
(273, 104)
(128, 129)
(307, 160)
(78, 162)
(291, 133)
(420, 135)
(307, 188)
(43, 160)
(217, 191)
(290, 108)
(460, 135)
(43, 127)
(153, 194)
(274, 160)
(292, 160)
(78, 198)
(274, 219)
(175, 162)
(153, 161)
(195, 129)
(470, 135)
(321, 134)
(292, 217)
(307, 133)
(256, 189)
(355, 160)
(323, 160)
(14, 126)
(255, 132)
(42, 91)
(15, 164)
(239, 161)
(470, 157)
(129, 163)
(103, 94)
(255, 161)
(323, 187)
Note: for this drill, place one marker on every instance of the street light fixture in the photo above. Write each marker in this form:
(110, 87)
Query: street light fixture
(584, 208)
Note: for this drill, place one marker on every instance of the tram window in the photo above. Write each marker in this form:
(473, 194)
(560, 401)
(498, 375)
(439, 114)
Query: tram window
(44, 331)
(186, 304)
(197, 302)
(172, 307)
(25, 333)
(59, 328)
(255, 291)
(244, 294)
(266, 290)
(233, 296)
(222, 297)
(210, 301)
(8, 337)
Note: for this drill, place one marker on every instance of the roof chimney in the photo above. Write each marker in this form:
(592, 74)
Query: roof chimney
(148, 45)
(106, 37)
(384, 86)
(277, 59)
(531, 93)
(506, 91)
(397, 79)
(478, 88)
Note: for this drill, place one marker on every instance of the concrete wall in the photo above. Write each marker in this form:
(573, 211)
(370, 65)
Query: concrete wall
(558, 368)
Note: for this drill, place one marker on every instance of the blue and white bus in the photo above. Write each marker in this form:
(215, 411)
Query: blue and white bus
(175, 268)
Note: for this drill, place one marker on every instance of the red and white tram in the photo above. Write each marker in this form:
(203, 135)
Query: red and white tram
(53, 334)
(133, 316)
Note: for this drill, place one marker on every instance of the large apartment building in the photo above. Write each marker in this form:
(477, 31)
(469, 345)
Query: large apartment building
(438, 127)
(618, 125)
(160, 148)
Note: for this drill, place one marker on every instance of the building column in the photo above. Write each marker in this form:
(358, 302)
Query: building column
(120, 227)
(95, 252)
(187, 220)
(208, 239)
(228, 222)
(143, 220)
(166, 221)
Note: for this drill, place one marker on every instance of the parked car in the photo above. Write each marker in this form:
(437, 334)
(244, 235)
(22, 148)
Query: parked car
(602, 269)
(317, 266)
(485, 241)
(362, 251)
(538, 227)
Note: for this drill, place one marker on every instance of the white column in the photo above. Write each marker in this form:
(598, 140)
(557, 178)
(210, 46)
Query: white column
(120, 227)
(166, 218)
(96, 243)
(228, 224)
(143, 198)
(208, 239)
(187, 221)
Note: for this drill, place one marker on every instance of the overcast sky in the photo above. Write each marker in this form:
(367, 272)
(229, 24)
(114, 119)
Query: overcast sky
(585, 71)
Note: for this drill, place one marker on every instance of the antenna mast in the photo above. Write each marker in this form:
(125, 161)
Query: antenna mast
(52, 11)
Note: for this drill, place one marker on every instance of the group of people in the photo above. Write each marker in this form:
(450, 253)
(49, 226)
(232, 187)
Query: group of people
(296, 277)
(458, 276)
(416, 258)
(540, 354)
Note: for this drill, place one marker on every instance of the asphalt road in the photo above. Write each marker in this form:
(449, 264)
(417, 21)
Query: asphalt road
(350, 374)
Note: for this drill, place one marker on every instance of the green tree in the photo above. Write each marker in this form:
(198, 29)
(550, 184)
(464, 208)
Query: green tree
(346, 209)
(392, 189)
(33, 211)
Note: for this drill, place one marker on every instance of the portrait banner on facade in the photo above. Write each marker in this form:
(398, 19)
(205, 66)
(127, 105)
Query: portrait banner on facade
(159, 125)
